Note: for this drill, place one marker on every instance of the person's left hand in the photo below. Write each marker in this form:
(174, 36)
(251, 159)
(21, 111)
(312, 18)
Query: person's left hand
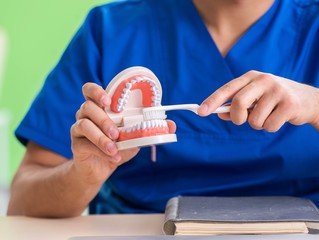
(265, 101)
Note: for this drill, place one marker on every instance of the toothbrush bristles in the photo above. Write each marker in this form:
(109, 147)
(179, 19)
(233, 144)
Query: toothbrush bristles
(154, 114)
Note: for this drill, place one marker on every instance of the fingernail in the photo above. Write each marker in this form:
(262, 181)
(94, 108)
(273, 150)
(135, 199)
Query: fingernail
(106, 101)
(114, 133)
(111, 148)
(202, 110)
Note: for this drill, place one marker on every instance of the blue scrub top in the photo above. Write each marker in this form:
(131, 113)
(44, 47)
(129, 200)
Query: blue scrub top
(212, 156)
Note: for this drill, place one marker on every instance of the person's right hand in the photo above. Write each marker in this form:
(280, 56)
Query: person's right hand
(93, 134)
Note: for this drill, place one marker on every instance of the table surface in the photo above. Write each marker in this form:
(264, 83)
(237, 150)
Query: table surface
(19, 228)
(142, 225)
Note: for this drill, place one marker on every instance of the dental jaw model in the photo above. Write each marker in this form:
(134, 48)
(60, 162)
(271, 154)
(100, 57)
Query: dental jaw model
(131, 91)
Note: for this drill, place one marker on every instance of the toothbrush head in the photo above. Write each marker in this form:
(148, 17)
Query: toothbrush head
(151, 113)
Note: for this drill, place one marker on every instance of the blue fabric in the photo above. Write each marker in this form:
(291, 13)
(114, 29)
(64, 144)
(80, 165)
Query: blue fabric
(211, 157)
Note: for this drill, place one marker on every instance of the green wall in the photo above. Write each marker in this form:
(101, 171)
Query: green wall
(38, 32)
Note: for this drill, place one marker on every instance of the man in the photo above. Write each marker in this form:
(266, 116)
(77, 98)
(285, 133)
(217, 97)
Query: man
(198, 49)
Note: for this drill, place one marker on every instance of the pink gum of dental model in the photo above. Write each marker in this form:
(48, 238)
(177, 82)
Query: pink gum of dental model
(131, 91)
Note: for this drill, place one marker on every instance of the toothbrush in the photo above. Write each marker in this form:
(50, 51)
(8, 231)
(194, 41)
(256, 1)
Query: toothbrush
(150, 113)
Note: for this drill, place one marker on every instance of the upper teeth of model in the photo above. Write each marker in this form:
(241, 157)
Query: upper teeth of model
(122, 101)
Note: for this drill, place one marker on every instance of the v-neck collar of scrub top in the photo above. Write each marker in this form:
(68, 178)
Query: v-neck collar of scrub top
(245, 42)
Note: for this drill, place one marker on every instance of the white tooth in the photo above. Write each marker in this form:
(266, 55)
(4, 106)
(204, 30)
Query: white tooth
(153, 123)
(152, 84)
(126, 97)
(165, 124)
(119, 107)
(156, 103)
(123, 95)
(120, 101)
(139, 79)
(133, 81)
(128, 85)
(143, 125)
(126, 91)
(160, 123)
(154, 89)
(148, 124)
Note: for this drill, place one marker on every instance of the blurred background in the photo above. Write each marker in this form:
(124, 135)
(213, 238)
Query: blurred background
(33, 35)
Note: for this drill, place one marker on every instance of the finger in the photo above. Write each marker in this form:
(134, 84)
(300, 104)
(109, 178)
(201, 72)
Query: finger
(225, 93)
(224, 116)
(87, 129)
(276, 119)
(266, 96)
(83, 146)
(245, 100)
(97, 94)
(261, 111)
(171, 126)
(99, 117)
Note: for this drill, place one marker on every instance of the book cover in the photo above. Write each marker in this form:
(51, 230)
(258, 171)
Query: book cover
(239, 215)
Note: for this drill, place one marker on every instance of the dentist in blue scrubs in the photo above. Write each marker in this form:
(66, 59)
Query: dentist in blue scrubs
(262, 57)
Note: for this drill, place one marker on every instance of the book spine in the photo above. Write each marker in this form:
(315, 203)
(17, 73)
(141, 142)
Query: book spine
(171, 214)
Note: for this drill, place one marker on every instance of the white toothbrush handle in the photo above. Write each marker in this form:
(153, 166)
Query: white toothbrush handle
(222, 109)
(191, 107)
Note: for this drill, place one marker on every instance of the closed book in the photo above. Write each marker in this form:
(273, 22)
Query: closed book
(186, 215)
